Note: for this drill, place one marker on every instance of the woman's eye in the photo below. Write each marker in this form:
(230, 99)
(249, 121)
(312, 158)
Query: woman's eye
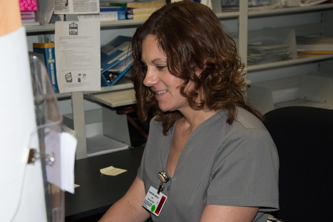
(160, 67)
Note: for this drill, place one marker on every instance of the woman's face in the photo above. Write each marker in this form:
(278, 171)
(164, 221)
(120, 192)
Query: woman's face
(165, 85)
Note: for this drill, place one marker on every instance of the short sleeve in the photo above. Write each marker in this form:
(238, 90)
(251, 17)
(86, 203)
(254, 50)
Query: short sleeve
(245, 171)
(140, 169)
(150, 150)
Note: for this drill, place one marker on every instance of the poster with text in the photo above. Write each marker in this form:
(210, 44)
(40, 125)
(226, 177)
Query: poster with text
(78, 60)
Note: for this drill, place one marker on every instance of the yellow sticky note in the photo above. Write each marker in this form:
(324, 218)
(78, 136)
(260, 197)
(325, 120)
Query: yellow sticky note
(112, 171)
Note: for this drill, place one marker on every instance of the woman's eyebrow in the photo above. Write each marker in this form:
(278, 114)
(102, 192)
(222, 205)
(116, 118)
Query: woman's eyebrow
(155, 60)
(159, 59)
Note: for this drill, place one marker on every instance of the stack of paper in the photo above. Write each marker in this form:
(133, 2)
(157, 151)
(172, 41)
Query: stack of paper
(258, 54)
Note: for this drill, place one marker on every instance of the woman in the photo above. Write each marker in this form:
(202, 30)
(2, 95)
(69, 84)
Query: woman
(215, 157)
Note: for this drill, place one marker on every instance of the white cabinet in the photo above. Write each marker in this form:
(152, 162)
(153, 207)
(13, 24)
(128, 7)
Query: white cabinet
(305, 20)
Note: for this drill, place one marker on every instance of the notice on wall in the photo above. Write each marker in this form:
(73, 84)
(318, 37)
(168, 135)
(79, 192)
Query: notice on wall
(78, 60)
(76, 6)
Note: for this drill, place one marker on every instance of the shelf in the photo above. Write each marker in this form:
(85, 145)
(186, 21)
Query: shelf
(222, 15)
(115, 99)
(121, 23)
(104, 25)
(39, 28)
(289, 10)
(115, 24)
(99, 145)
(127, 23)
(300, 60)
(122, 84)
(227, 15)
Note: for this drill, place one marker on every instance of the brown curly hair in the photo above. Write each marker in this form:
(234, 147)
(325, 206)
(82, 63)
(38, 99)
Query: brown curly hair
(193, 40)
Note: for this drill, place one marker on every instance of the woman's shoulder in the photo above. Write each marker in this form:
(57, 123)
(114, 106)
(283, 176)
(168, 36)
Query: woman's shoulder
(244, 125)
(250, 131)
(155, 125)
(247, 120)
(249, 128)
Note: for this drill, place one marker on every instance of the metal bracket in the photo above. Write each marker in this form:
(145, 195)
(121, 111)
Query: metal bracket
(34, 155)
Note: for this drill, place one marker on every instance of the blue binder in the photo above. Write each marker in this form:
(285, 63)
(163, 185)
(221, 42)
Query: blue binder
(114, 53)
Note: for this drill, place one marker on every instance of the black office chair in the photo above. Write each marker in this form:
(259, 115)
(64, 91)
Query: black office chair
(304, 139)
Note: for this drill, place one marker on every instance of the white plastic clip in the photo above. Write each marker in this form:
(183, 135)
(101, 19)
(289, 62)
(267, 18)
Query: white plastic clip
(34, 155)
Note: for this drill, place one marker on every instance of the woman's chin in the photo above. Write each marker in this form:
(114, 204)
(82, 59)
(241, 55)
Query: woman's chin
(165, 108)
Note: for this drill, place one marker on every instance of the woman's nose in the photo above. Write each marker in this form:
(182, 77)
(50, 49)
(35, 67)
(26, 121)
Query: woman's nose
(150, 78)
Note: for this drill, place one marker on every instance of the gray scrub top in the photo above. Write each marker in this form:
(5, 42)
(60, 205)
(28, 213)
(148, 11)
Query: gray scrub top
(221, 164)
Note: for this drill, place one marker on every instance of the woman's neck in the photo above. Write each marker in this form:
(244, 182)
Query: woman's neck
(193, 118)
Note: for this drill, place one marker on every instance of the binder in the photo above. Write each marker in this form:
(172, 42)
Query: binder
(117, 52)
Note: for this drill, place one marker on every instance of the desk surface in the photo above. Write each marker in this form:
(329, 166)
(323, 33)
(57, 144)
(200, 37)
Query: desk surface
(97, 192)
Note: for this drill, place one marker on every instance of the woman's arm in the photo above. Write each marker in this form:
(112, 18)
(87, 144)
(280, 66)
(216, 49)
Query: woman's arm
(220, 213)
(129, 207)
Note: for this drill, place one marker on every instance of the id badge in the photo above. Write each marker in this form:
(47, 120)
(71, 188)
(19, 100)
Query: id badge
(154, 202)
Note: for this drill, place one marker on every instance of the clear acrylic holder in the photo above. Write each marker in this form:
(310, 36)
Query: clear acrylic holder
(49, 127)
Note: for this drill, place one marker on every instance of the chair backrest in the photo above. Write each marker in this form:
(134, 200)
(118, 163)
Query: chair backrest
(304, 139)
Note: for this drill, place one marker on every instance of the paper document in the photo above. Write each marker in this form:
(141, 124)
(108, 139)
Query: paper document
(67, 148)
(62, 146)
(76, 6)
(112, 171)
(77, 49)
(52, 148)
